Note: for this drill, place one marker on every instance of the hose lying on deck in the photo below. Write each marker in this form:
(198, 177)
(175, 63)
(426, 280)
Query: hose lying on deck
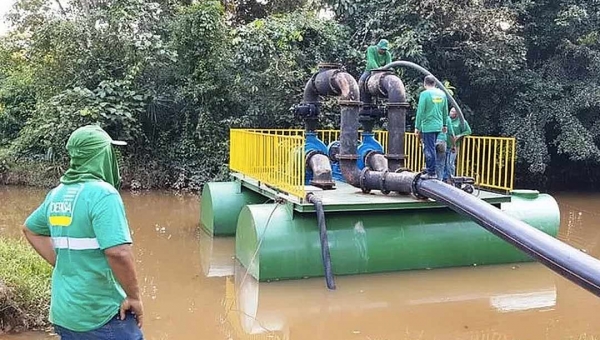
(326, 257)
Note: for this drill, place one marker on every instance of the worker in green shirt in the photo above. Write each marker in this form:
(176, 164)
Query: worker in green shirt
(377, 56)
(443, 145)
(81, 230)
(461, 129)
(430, 120)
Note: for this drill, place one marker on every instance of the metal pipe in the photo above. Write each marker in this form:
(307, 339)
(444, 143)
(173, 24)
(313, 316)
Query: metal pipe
(574, 265)
(325, 255)
(321, 169)
(402, 63)
(331, 80)
(376, 161)
(565, 260)
(384, 83)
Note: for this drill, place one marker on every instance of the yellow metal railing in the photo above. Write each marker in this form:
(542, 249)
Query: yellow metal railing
(490, 160)
(276, 157)
(272, 157)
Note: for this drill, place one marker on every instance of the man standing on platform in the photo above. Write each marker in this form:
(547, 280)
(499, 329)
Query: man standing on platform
(430, 120)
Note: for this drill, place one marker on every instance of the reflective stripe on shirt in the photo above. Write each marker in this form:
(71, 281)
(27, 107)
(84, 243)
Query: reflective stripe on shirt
(75, 243)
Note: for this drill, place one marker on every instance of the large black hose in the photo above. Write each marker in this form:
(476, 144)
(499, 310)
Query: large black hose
(402, 63)
(325, 256)
(578, 267)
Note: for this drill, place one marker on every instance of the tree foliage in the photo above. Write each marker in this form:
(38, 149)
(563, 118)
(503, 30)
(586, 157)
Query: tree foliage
(171, 76)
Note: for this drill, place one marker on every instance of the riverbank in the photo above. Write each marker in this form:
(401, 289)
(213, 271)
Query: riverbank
(24, 287)
(135, 175)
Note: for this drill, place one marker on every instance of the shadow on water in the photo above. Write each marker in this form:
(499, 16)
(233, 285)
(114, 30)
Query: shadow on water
(194, 289)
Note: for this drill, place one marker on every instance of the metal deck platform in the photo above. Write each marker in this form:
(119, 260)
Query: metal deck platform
(348, 198)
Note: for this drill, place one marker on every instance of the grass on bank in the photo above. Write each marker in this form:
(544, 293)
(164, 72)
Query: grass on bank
(24, 287)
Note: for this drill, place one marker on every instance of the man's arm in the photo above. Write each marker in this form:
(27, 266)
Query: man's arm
(420, 110)
(371, 58)
(450, 131)
(388, 58)
(42, 245)
(112, 232)
(467, 131)
(121, 261)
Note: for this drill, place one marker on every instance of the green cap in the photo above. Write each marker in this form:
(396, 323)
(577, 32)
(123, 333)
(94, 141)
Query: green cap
(92, 157)
(383, 44)
(87, 138)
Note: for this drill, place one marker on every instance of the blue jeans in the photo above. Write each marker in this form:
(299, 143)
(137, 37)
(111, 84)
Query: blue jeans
(441, 158)
(364, 93)
(115, 329)
(451, 164)
(429, 139)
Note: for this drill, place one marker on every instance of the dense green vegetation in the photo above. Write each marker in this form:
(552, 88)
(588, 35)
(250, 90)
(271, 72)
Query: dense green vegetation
(24, 288)
(171, 76)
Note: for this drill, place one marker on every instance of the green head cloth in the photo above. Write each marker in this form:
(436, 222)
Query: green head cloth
(92, 157)
(383, 44)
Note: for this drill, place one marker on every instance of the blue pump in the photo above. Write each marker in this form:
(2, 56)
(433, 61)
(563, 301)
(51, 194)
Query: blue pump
(312, 144)
(367, 145)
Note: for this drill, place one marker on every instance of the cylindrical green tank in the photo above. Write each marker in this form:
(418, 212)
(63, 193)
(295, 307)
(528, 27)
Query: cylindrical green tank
(220, 205)
(273, 242)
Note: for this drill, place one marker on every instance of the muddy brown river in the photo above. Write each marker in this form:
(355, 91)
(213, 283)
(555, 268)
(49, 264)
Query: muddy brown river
(193, 289)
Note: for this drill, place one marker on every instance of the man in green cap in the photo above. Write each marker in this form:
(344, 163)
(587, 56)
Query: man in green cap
(82, 231)
(377, 56)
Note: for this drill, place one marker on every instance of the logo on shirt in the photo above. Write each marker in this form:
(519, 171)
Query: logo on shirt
(437, 100)
(62, 206)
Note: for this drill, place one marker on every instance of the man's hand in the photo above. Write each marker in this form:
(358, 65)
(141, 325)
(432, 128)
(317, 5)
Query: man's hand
(136, 307)
(418, 133)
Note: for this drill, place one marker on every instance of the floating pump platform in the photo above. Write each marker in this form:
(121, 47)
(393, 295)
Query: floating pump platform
(305, 203)
(278, 237)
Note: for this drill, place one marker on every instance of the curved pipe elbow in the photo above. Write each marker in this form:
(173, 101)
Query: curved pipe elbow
(321, 168)
(395, 89)
(347, 86)
(376, 161)
(310, 93)
(331, 82)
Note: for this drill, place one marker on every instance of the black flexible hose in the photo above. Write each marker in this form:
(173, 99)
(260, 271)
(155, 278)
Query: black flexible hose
(571, 263)
(325, 256)
(402, 63)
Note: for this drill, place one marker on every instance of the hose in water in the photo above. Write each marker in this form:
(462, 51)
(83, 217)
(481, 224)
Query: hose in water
(571, 263)
(325, 256)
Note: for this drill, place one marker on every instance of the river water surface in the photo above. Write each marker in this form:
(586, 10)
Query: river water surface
(192, 288)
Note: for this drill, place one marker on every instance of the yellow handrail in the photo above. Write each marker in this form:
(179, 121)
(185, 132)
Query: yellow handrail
(273, 157)
(276, 157)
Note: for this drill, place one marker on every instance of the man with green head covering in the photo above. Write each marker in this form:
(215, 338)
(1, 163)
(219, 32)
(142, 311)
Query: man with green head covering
(377, 56)
(82, 231)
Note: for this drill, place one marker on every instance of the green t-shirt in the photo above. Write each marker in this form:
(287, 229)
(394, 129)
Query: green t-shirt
(432, 108)
(465, 130)
(447, 137)
(83, 219)
(376, 60)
